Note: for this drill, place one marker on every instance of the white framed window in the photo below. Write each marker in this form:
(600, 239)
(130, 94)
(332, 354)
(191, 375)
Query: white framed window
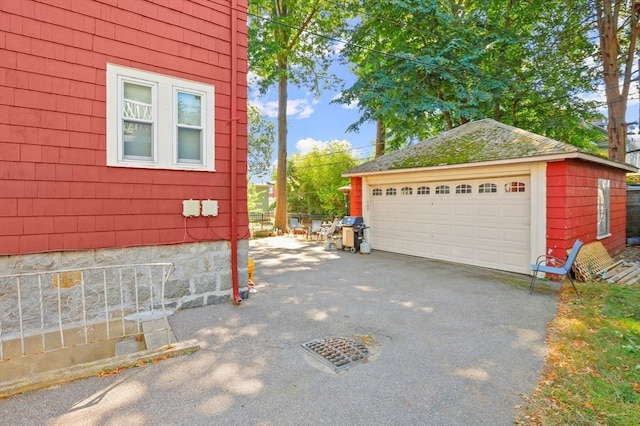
(442, 189)
(159, 121)
(487, 188)
(424, 190)
(604, 186)
(377, 192)
(391, 191)
(515, 187)
(463, 189)
(406, 190)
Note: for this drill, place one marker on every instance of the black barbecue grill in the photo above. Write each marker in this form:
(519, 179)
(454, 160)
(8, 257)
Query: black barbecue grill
(352, 232)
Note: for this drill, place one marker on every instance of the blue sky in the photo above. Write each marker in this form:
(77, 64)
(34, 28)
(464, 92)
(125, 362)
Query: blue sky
(314, 121)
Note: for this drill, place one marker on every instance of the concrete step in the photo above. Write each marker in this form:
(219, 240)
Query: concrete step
(157, 333)
(129, 346)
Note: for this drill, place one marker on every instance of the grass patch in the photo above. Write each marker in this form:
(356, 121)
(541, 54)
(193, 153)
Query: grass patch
(592, 371)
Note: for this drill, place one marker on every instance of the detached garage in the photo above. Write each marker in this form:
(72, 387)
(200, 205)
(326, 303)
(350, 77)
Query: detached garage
(490, 195)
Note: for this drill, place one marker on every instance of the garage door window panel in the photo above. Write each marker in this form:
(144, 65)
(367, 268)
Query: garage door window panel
(377, 192)
(515, 187)
(391, 192)
(442, 189)
(424, 190)
(406, 190)
(463, 189)
(487, 188)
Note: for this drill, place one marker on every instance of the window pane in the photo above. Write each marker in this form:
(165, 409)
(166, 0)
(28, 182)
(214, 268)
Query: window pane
(603, 207)
(514, 187)
(424, 190)
(189, 109)
(137, 102)
(442, 189)
(138, 139)
(486, 188)
(189, 145)
(463, 189)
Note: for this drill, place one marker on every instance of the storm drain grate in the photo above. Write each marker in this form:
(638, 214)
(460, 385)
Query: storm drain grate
(338, 353)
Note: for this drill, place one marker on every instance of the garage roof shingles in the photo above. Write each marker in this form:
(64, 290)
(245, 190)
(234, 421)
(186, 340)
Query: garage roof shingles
(482, 140)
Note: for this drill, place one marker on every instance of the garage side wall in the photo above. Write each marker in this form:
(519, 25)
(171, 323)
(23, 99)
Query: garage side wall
(572, 197)
(355, 207)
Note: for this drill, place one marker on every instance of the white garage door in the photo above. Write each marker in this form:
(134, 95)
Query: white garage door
(484, 222)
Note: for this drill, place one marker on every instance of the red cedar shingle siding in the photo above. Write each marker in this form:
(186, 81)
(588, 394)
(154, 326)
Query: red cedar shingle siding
(355, 208)
(56, 192)
(572, 205)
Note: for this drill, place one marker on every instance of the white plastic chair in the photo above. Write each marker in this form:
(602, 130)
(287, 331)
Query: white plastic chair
(328, 231)
(316, 227)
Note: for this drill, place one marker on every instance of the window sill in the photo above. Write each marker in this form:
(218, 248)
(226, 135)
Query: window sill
(187, 167)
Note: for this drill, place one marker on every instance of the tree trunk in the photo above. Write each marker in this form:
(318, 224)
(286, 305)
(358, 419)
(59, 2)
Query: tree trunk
(281, 179)
(615, 104)
(380, 145)
(607, 14)
(617, 128)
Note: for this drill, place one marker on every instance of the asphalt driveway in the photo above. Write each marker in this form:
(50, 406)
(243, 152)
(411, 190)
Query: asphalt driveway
(450, 345)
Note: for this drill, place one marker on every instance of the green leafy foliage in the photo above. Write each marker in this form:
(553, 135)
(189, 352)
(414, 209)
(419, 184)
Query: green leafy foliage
(314, 179)
(295, 39)
(426, 66)
(261, 138)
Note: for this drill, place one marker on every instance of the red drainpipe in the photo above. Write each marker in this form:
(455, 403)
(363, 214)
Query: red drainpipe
(234, 154)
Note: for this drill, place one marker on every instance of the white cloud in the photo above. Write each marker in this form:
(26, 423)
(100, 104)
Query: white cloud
(306, 145)
(300, 108)
(253, 79)
(296, 108)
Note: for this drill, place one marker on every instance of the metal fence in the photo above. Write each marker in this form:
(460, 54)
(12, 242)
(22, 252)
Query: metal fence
(46, 311)
(265, 221)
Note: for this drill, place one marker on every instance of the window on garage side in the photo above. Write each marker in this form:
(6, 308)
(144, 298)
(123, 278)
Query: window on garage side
(463, 189)
(158, 121)
(424, 190)
(603, 208)
(406, 190)
(515, 187)
(391, 191)
(442, 189)
(377, 192)
(487, 188)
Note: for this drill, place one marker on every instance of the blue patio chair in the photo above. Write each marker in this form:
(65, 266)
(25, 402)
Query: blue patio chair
(561, 267)
(294, 225)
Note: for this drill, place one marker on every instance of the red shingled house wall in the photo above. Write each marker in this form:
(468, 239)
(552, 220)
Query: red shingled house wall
(56, 191)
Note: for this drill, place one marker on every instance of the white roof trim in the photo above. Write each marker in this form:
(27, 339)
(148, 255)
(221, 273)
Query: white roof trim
(534, 159)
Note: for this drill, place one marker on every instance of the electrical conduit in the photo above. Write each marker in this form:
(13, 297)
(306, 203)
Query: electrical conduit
(234, 154)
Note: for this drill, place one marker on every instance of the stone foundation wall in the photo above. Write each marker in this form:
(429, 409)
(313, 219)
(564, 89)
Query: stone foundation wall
(202, 274)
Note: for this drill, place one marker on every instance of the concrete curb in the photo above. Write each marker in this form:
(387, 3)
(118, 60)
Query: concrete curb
(94, 368)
